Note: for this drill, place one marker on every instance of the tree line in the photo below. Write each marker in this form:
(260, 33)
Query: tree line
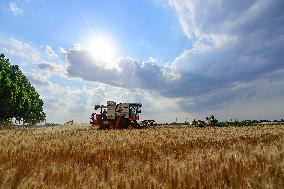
(213, 122)
(18, 98)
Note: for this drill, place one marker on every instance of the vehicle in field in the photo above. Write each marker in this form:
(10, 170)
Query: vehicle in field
(119, 116)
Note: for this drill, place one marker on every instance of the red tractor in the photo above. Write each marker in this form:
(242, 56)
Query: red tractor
(118, 116)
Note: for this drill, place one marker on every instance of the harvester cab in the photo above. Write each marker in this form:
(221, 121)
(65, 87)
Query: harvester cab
(117, 116)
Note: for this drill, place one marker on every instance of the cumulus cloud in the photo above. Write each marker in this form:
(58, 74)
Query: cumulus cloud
(23, 50)
(62, 50)
(57, 68)
(50, 52)
(253, 45)
(130, 73)
(38, 80)
(14, 9)
(234, 44)
(52, 69)
(237, 44)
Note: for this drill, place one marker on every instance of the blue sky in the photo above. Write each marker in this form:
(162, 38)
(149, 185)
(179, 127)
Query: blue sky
(181, 59)
(142, 28)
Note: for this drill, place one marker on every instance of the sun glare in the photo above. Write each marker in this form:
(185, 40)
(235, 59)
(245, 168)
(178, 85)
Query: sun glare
(102, 48)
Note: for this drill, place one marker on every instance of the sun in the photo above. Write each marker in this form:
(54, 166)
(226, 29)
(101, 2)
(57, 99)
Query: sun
(102, 48)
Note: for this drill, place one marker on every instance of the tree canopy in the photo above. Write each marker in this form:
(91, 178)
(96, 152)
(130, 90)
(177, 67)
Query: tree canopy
(18, 98)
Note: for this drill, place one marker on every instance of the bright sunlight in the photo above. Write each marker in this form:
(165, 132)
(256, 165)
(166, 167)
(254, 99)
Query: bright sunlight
(102, 48)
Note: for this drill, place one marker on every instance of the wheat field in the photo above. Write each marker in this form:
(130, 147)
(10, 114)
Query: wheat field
(164, 157)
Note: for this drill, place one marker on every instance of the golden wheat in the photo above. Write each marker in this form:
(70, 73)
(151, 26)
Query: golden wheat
(81, 157)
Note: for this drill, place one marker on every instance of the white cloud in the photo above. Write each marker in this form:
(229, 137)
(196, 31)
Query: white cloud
(131, 73)
(77, 46)
(23, 50)
(13, 7)
(152, 59)
(53, 69)
(38, 79)
(62, 50)
(50, 51)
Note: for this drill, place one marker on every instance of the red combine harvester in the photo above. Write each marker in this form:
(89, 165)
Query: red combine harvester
(119, 116)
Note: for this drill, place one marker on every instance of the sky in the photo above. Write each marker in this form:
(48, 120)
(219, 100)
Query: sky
(182, 59)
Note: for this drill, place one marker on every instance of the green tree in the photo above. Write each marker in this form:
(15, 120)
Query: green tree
(18, 98)
(212, 121)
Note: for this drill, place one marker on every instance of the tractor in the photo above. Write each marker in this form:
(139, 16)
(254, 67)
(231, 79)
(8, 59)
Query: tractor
(118, 116)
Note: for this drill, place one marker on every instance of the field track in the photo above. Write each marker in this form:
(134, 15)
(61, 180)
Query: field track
(80, 157)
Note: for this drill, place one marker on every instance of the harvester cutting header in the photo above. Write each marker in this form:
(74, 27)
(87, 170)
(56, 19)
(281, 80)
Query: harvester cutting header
(119, 116)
